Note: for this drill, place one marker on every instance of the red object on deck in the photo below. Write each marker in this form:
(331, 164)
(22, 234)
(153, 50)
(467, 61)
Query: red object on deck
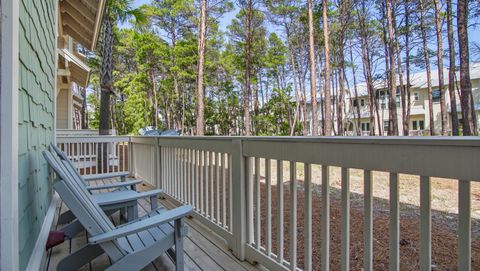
(55, 238)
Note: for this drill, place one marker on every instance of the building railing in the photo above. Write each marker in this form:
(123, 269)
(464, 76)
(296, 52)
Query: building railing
(419, 132)
(233, 183)
(96, 154)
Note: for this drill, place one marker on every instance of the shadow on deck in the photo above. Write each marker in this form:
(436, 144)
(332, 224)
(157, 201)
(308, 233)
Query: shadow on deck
(204, 250)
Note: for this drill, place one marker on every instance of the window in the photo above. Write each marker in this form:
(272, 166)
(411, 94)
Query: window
(397, 100)
(436, 95)
(386, 125)
(418, 125)
(416, 97)
(381, 95)
(355, 103)
(362, 102)
(365, 126)
(383, 104)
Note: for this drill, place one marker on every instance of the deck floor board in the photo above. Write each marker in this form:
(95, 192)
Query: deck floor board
(203, 249)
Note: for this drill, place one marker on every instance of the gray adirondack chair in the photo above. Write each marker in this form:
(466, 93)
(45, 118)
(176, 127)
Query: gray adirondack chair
(130, 246)
(124, 200)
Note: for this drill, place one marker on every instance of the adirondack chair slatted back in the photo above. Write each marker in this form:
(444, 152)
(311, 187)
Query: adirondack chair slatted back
(81, 190)
(83, 206)
(69, 166)
(64, 157)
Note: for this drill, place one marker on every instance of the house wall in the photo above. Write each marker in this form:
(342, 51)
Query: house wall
(420, 108)
(36, 117)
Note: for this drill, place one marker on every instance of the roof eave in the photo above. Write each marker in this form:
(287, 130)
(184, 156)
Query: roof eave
(98, 23)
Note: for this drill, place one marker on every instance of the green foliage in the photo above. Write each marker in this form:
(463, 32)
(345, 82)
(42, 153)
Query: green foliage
(155, 71)
(133, 105)
(94, 116)
(276, 115)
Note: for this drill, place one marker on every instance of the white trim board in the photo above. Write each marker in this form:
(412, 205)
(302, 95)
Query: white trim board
(9, 258)
(39, 253)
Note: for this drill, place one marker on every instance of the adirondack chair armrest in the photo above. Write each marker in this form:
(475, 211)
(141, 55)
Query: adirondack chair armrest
(133, 196)
(113, 185)
(103, 176)
(154, 221)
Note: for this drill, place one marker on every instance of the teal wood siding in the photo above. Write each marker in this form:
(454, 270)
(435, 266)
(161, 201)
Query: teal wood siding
(36, 117)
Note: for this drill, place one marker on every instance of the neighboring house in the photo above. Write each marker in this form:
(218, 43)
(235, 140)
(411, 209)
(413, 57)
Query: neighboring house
(72, 80)
(309, 122)
(419, 121)
(40, 65)
(78, 28)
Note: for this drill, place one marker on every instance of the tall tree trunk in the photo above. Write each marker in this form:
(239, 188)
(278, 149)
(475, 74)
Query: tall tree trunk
(367, 70)
(301, 79)
(256, 104)
(381, 121)
(426, 56)
(355, 90)
(295, 86)
(393, 127)
(341, 95)
(106, 83)
(200, 68)
(334, 99)
(322, 100)
(407, 63)
(328, 101)
(451, 70)
(313, 86)
(465, 83)
(400, 77)
(247, 68)
(341, 101)
(106, 76)
(443, 106)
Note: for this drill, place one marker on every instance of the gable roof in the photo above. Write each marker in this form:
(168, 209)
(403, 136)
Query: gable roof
(418, 80)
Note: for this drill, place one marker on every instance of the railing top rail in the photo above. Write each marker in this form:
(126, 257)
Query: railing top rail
(447, 159)
(458, 141)
(148, 140)
(390, 140)
(217, 144)
(92, 139)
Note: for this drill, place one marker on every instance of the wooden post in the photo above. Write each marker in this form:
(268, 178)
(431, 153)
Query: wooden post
(158, 164)
(238, 200)
(130, 158)
(9, 170)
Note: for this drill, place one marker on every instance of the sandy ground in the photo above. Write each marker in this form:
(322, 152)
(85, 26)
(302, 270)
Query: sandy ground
(444, 191)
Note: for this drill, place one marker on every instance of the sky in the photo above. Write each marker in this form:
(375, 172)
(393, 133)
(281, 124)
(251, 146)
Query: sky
(224, 21)
(474, 36)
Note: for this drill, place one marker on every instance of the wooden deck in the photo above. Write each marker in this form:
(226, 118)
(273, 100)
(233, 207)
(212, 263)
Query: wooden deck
(204, 250)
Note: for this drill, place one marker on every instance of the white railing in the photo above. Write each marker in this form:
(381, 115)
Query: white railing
(193, 172)
(252, 190)
(96, 154)
(79, 132)
(419, 132)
